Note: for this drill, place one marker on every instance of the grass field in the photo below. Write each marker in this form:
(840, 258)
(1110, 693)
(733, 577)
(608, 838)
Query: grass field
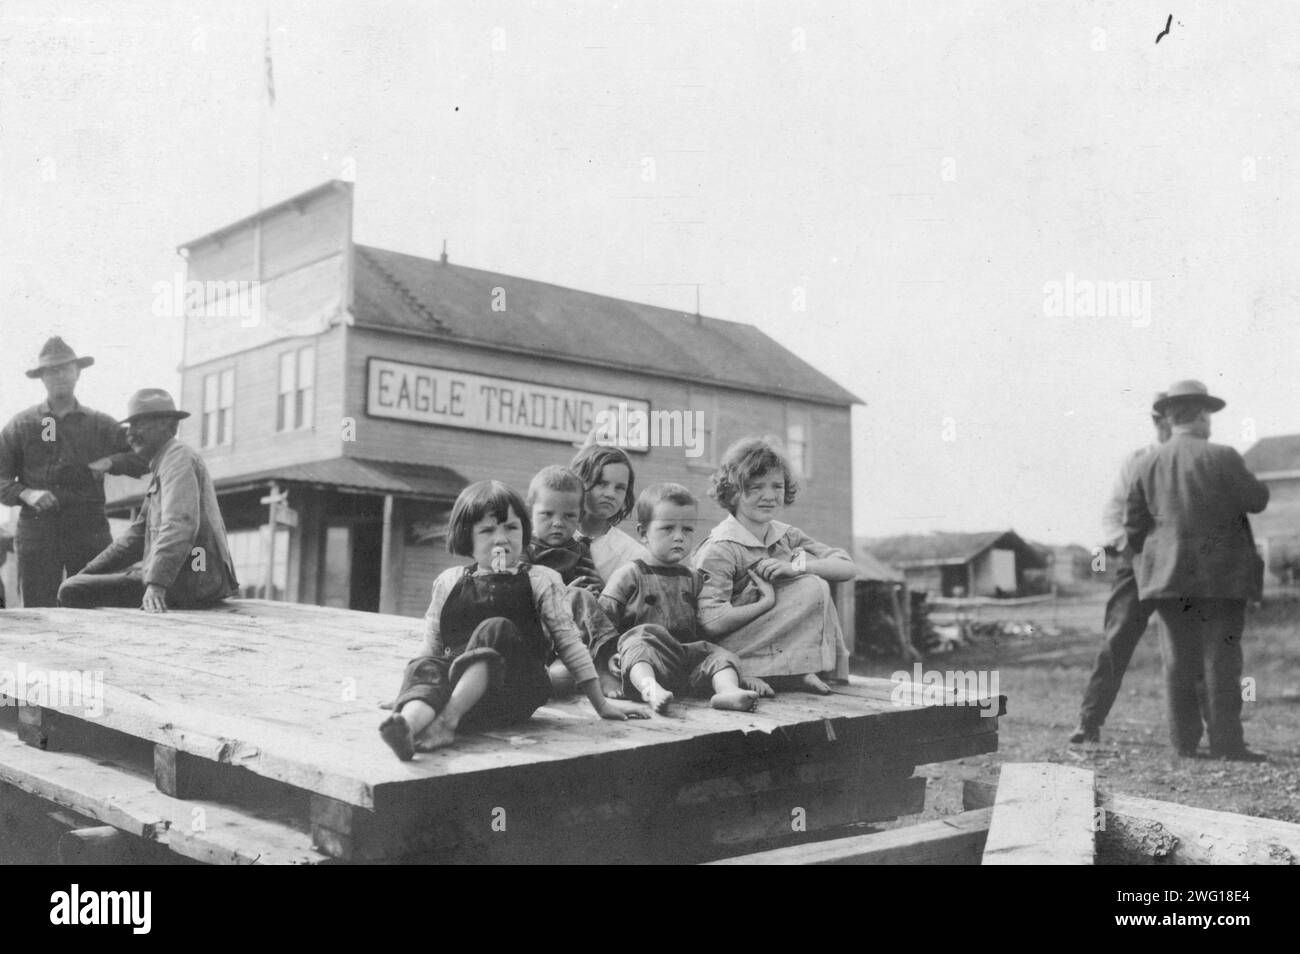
(1043, 677)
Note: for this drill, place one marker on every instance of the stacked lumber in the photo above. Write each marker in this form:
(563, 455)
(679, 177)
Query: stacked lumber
(956, 840)
(1043, 813)
(259, 704)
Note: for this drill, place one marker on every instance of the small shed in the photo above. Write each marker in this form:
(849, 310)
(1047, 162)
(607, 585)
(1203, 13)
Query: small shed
(995, 563)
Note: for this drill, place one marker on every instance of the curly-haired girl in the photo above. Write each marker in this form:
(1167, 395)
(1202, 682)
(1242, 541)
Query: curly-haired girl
(767, 597)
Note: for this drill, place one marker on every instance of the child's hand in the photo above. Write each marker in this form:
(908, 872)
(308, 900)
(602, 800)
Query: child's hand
(592, 583)
(618, 711)
(772, 569)
(766, 591)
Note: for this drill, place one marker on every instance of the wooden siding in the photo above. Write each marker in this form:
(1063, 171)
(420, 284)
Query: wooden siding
(823, 508)
(304, 277)
(257, 445)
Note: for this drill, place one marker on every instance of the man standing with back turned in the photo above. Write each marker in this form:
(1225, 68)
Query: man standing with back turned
(1186, 521)
(1126, 615)
(53, 458)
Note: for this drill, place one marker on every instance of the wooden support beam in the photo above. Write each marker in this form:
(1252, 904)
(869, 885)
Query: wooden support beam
(1147, 831)
(176, 773)
(390, 559)
(34, 726)
(1044, 815)
(204, 831)
(955, 840)
(343, 831)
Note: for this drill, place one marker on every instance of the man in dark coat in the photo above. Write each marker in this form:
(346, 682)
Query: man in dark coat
(53, 458)
(179, 537)
(1186, 521)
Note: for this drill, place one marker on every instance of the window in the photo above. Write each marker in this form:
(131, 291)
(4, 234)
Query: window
(798, 439)
(297, 374)
(218, 408)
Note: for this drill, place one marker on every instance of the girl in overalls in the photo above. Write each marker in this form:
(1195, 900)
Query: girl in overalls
(488, 631)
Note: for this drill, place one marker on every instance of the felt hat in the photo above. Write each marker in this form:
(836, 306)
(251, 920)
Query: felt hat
(55, 353)
(1189, 391)
(151, 402)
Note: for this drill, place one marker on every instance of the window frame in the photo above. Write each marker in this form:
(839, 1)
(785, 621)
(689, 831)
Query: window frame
(295, 396)
(803, 461)
(214, 429)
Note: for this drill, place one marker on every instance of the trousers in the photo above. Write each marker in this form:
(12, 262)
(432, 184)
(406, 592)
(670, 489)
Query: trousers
(1202, 640)
(1125, 621)
(53, 543)
(517, 680)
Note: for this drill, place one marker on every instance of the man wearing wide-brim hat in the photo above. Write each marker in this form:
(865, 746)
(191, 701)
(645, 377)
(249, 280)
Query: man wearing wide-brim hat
(53, 458)
(175, 552)
(1187, 523)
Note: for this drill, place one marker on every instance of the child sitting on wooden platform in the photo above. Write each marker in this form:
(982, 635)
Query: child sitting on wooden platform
(555, 504)
(653, 600)
(488, 630)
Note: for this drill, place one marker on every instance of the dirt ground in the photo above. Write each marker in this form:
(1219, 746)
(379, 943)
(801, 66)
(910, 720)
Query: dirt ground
(1043, 677)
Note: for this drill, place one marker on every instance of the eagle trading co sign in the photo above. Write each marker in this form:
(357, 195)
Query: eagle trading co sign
(408, 392)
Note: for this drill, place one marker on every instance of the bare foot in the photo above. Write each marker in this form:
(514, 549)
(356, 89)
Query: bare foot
(758, 685)
(611, 686)
(656, 697)
(811, 682)
(396, 734)
(436, 736)
(742, 700)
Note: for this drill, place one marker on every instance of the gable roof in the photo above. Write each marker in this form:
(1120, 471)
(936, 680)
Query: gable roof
(399, 292)
(1273, 454)
(938, 549)
(872, 569)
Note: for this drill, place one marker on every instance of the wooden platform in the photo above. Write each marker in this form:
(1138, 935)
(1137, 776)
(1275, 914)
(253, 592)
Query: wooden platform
(281, 701)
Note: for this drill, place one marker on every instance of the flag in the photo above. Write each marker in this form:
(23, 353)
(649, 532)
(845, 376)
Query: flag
(270, 76)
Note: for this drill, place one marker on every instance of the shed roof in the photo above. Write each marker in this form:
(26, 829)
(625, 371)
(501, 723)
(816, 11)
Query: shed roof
(937, 549)
(874, 570)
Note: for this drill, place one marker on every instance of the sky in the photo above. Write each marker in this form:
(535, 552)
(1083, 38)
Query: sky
(900, 194)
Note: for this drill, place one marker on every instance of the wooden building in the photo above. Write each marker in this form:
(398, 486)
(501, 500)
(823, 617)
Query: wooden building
(367, 387)
(1276, 461)
(996, 563)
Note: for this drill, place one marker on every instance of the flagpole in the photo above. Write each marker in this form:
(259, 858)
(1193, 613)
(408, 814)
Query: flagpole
(262, 116)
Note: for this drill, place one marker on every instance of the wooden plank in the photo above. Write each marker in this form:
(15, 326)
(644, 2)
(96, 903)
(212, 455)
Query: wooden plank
(204, 831)
(955, 840)
(809, 808)
(957, 747)
(1147, 831)
(175, 773)
(1044, 815)
(243, 686)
